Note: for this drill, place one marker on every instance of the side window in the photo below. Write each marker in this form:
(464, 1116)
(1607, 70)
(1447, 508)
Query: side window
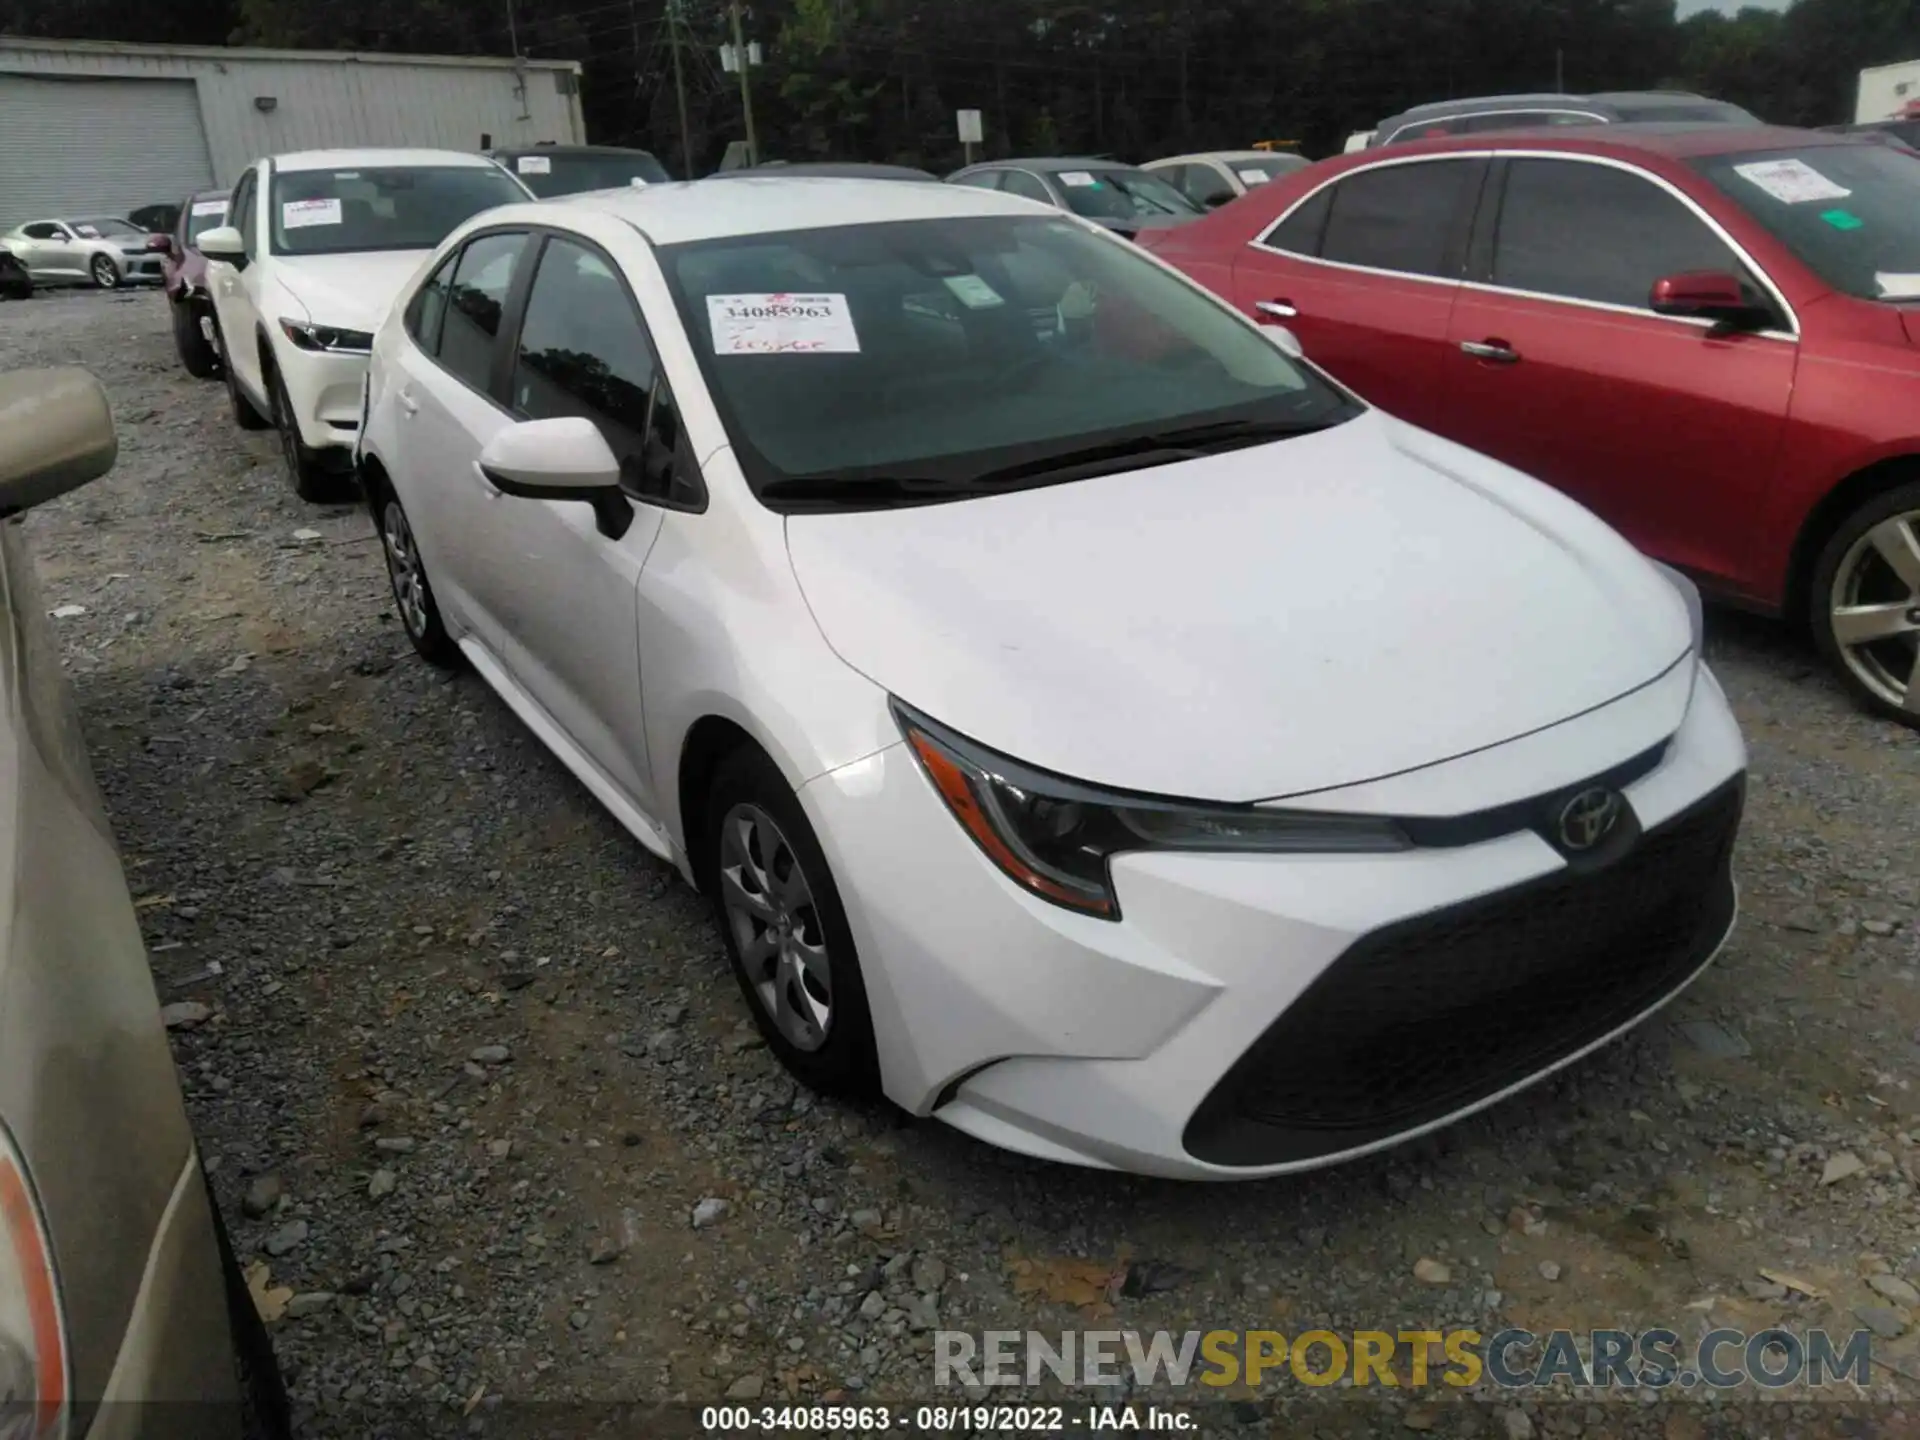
(1018, 182)
(1300, 232)
(41, 231)
(1206, 186)
(981, 180)
(1591, 232)
(482, 277)
(583, 351)
(428, 308)
(1398, 217)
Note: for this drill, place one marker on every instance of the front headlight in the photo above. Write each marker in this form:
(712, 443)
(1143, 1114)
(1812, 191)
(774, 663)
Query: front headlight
(33, 1349)
(326, 337)
(1054, 836)
(1696, 612)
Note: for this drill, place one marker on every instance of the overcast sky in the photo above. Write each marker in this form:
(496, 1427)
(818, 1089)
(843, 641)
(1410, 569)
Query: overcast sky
(1693, 7)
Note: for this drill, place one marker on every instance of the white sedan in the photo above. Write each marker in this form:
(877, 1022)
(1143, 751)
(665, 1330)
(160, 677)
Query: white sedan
(1094, 727)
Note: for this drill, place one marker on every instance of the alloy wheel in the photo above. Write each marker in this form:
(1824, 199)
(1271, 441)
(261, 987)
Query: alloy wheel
(403, 567)
(105, 273)
(776, 926)
(1874, 610)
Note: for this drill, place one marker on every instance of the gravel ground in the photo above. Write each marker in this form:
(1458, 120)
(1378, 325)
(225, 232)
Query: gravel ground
(470, 1071)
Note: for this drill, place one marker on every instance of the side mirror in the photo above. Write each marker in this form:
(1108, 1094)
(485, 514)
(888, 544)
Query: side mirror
(561, 459)
(1706, 295)
(223, 242)
(56, 434)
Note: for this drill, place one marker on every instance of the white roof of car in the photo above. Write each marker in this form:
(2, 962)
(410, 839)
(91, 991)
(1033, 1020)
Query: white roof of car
(375, 158)
(743, 205)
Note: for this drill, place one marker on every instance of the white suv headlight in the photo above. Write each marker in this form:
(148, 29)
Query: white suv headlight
(33, 1337)
(306, 336)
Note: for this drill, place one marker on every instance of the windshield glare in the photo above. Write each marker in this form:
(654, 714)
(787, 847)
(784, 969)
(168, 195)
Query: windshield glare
(550, 175)
(1850, 212)
(940, 350)
(1113, 194)
(398, 207)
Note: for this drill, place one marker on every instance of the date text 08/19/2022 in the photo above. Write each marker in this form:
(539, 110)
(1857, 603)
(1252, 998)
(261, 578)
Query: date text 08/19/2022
(942, 1419)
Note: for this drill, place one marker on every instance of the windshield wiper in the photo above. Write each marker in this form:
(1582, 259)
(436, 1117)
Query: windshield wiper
(876, 490)
(1189, 442)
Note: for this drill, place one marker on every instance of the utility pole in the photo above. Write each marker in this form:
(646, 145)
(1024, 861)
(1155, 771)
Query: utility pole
(680, 86)
(1559, 72)
(513, 35)
(746, 94)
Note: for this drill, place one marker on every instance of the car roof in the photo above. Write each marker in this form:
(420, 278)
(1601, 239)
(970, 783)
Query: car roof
(220, 194)
(1227, 155)
(1676, 140)
(375, 158)
(1051, 164)
(708, 209)
(568, 150)
(1602, 99)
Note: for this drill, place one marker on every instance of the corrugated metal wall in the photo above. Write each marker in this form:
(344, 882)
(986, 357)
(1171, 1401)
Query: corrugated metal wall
(84, 147)
(323, 99)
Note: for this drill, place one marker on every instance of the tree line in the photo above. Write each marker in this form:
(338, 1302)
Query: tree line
(881, 79)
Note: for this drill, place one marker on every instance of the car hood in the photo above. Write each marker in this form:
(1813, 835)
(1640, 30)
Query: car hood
(1255, 624)
(353, 292)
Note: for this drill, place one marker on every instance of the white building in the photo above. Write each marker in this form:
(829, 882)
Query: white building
(100, 128)
(1888, 92)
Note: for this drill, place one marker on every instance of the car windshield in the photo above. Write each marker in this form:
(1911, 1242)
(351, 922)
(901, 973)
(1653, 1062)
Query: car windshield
(106, 227)
(549, 175)
(947, 353)
(395, 207)
(1851, 212)
(205, 215)
(1120, 194)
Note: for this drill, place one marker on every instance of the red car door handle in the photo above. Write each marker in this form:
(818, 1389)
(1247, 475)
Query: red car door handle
(1275, 309)
(1498, 351)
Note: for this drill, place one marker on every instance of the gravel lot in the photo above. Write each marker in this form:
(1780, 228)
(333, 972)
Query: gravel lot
(469, 1060)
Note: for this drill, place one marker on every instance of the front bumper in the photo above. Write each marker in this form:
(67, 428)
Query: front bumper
(324, 388)
(1252, 1015)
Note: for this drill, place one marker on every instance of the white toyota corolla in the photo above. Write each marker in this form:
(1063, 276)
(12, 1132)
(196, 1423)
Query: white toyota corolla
(1094, 727)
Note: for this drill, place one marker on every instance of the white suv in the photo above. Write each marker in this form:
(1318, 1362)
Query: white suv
(318, 245)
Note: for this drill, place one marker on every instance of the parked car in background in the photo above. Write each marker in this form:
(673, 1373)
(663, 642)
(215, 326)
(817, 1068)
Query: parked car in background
(317, 245)
(1358, 140)
(15, 282)
(1903, 134)
(1710, 335)
(184, 277)
(960, 597)
(1210, 180)
(550, 170)
(104, 251)
(831, 169)
(156, 219)
(1516, 112)
(122, 1310)
(1124, 198)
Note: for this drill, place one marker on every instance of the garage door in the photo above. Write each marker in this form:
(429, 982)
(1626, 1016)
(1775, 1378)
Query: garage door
(86, 146)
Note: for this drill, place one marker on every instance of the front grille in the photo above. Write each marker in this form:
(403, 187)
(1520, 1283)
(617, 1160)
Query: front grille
(1432, 1013)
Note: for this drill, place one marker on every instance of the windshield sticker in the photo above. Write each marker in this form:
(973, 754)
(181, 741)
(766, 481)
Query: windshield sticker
(298, 214)
(1079, 179)
(973, 292)
(534, 164)
(1792, 182)
(1895, 286)
(1842, 219)
(782, 324)
(87, 232)
(1254, 177)
(209, 207)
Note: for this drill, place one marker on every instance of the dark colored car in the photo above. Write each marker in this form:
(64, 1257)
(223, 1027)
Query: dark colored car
(550, 170)
(1707, 334)
(156, 219)
(1124, 198)
(15, 282)
(184, 276)
(832, 169)
(1516, 112)
(1903, 134)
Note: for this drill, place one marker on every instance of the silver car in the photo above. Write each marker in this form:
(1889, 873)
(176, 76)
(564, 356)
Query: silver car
(123, 1315)
(105, 251)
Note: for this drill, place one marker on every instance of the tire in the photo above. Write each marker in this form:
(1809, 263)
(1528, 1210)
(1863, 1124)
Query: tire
(266, 1413)
(244, 414)
(199, 357)
(1868, 573)
(413, 598)
(106, 274)
(313, 479)
(750, 872)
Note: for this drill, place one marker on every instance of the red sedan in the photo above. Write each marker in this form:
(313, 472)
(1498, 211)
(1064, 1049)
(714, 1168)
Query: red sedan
(1709, 335)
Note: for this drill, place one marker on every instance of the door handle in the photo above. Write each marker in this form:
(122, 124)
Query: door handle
(1498, 351)
(408, 403)
(1276, 309)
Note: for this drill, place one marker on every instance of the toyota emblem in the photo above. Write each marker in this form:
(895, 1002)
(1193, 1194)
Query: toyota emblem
(1588, 818)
